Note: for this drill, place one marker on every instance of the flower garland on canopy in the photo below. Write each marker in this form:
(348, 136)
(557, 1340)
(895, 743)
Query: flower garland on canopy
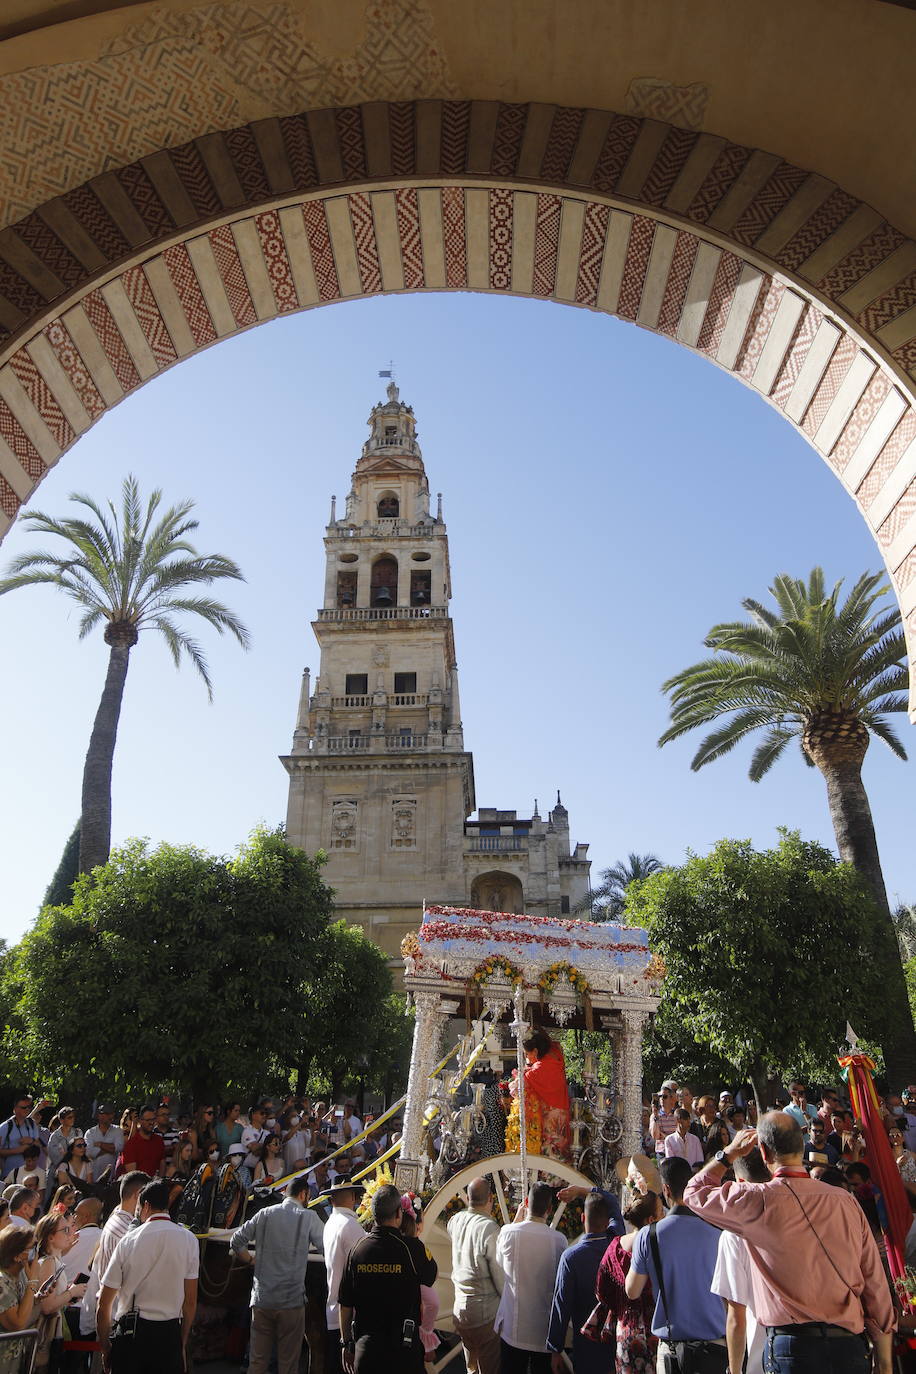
(577, 981)
(497, 965)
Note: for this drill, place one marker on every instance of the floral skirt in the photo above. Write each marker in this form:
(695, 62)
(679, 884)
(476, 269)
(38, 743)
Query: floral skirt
(635, 1349)
(555, 1133)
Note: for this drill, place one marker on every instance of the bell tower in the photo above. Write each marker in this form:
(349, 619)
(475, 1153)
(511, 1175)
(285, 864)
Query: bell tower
(379, 776)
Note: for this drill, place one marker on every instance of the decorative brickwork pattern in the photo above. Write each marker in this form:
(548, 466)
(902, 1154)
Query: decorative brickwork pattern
(24, 450)
(109, 336)
(682, 260)
(835, 210)
(902, 435)
(869, 404)
(273, 246)
(510, 129)
(719, 180)
(617, 148)
(797, 352)
(720, 300)
(768, 202)
(145, 201)
(408, 213)
(898, 517)
(501, 204)
(194, 177)
(402, 127)
(349, 123)
(454, 236)
(147, 312)
(18, 291)
(235, 283)
(247, 163)
(456, 121)
(857, 264)
(888, 306)
(840, 363)
(9, 501)
(758, 327)
(71, 360)
(42, 398)
(564, 134)
(546, 243)
(370, 273)
(48, 248)
(85, 206)
(319, 237)
(591, 252)
(187, 288)
(297, 142)
(674, 152)
(639, 246)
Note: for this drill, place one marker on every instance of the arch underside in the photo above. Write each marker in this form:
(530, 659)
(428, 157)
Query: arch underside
(771, 272)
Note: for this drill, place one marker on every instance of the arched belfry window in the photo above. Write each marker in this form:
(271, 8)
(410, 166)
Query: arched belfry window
(389, 507)
(383, 588)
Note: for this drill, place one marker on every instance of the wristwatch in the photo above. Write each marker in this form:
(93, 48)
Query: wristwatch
(720, 1158)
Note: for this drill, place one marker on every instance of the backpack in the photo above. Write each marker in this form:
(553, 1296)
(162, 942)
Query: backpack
(195, 1204)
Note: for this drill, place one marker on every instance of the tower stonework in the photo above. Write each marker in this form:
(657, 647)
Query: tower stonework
(379, 775)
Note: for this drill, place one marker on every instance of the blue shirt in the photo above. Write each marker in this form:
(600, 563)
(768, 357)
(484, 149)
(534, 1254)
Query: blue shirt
(282, 1235)
(574, 1299)
(688, 1247)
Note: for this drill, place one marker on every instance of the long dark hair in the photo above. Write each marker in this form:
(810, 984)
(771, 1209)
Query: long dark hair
(539, 1041)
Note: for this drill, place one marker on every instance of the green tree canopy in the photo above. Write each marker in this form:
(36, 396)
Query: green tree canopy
(172, 967)
(768, 953)
(60, 888)
(606, 901)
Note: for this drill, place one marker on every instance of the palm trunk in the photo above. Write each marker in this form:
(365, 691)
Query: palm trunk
(95, 820)
(855, 836)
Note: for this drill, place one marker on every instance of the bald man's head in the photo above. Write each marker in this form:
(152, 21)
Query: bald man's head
(479, 1192)
(780, 1138)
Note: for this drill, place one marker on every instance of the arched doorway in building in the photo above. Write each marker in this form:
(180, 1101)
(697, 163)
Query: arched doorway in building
(496, 891)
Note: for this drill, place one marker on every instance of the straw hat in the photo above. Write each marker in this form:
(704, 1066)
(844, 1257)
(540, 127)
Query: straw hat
(628, 1169)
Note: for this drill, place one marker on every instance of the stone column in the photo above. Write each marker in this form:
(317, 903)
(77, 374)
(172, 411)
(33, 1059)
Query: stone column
(426, 1037)
(629, 1079)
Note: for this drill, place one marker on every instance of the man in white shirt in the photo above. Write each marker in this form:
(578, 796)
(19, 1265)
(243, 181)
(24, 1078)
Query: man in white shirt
(253, 1138)
(104, 1143)
(731, 1280)
(152, 1272)
(529, 1253)
(353, 1125)
(478, 1279)
(115, 1228)
(683, 1142)
(24, 1205)
(30, 1174)
(78, 1258)
(342, 1231)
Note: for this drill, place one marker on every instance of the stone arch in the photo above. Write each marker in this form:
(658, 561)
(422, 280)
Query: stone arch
(769, 270)
(497, 891)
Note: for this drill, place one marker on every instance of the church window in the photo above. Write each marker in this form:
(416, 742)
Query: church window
(383, 590)
(389, 507)
(353, 738)
(357, 684)
(564, 906)
(391, 435)
(405, 682)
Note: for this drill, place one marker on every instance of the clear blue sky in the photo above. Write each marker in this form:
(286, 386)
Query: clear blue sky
(609, 496)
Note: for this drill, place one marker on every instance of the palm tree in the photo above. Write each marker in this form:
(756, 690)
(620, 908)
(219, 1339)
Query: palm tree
(130, 571)
(605, 902)
(826, 674)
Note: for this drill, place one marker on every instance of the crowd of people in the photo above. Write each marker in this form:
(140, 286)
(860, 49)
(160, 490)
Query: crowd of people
(746, 1242)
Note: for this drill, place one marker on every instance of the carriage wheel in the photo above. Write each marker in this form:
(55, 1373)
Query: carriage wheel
(436, 1237)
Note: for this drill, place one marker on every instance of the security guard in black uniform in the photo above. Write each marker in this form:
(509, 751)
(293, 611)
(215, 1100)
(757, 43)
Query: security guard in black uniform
(381, 1288)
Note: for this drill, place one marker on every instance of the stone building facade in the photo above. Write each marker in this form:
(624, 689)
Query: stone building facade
(379, 774)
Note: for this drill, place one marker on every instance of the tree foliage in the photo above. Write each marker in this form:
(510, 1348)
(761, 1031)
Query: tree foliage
(768, 954)
(606, 901)
(60, 888)
(171, 967)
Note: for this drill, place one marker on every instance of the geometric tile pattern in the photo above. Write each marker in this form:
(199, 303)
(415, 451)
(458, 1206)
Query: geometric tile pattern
(276, 260)
(501, 203)
(546, 244)
(230, 268)
(370, 273)
(187, 288)
(199, 158)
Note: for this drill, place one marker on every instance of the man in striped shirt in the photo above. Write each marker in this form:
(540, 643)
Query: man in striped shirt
(117, 1226)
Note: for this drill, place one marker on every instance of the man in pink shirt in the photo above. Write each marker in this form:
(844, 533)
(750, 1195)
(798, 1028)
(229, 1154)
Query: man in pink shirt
(817, 1278)
(682, 1142)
